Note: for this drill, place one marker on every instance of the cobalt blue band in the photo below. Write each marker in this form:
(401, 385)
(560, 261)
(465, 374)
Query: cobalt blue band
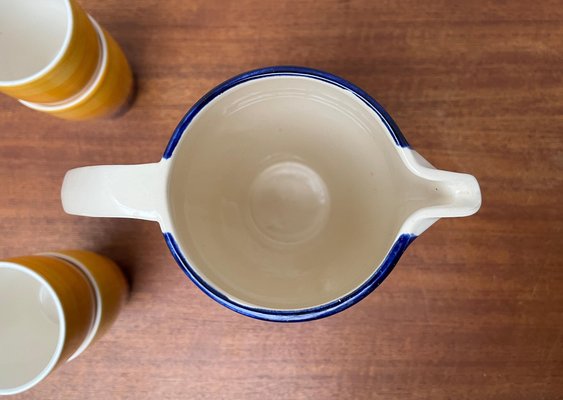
(325, 310)
(392, 127)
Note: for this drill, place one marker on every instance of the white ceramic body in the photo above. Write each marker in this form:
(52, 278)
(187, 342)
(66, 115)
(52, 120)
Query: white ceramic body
(285, 194)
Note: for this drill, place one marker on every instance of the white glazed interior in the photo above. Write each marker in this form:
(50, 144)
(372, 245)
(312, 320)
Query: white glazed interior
(86, 92)
(287, 192)
(32, 328)
(34, 36)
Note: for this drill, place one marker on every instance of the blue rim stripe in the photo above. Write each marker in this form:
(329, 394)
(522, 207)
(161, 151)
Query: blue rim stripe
(325, 310)
(392, 127)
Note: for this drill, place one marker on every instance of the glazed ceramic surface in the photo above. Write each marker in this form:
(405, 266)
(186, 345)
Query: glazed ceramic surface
(54, 306)
(49, 49)
(109, 285)
(48, 310)
(108, 92)
(285, 193)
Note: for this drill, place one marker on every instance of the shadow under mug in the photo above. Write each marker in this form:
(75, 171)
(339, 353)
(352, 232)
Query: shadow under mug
(53, 306)
(285, 194)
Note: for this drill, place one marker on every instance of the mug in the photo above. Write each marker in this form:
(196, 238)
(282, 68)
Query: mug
(108, 283)
(52, 307)
(107, 95)
(49, 48)
(285, 194)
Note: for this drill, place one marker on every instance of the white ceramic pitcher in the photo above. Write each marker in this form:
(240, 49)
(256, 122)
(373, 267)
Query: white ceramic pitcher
(285, 193)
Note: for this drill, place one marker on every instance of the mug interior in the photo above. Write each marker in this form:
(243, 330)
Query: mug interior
(87, 92)
(287, 192)
(34, 34)
(31, 328)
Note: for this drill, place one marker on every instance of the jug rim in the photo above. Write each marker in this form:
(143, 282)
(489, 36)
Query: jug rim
(298, 315)
(392, 127)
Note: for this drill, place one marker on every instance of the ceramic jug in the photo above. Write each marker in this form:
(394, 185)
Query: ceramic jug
(285, 193)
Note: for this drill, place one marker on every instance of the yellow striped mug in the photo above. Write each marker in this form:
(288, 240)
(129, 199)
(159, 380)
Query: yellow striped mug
(52, 307)
(107, 95)
(50, 49)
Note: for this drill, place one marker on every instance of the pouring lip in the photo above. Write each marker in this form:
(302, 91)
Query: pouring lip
(298, 315)
(402, 240)
(285, 70)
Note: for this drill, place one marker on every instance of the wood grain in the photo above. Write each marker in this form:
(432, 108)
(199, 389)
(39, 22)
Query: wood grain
(475, 307)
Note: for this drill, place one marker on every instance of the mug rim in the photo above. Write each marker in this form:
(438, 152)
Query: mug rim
(96, 321)
(55, 358)
(402, 241)
(95, 82)
(55, 60)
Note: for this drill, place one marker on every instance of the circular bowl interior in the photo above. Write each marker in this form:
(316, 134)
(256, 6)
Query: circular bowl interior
(283, 192)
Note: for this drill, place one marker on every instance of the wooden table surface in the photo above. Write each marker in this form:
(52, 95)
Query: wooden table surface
(474, 308)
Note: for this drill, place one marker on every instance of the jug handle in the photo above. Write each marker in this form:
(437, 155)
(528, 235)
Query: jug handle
(126, 191)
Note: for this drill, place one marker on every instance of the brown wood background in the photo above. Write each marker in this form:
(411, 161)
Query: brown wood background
(474, 310)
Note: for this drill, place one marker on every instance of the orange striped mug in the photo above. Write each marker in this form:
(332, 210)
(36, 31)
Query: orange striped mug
(52, 307)
(107, 95)
(58, 60)
(49, 48)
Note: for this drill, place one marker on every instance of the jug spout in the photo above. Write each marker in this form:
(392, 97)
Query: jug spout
(462, 191)
(448, 194)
